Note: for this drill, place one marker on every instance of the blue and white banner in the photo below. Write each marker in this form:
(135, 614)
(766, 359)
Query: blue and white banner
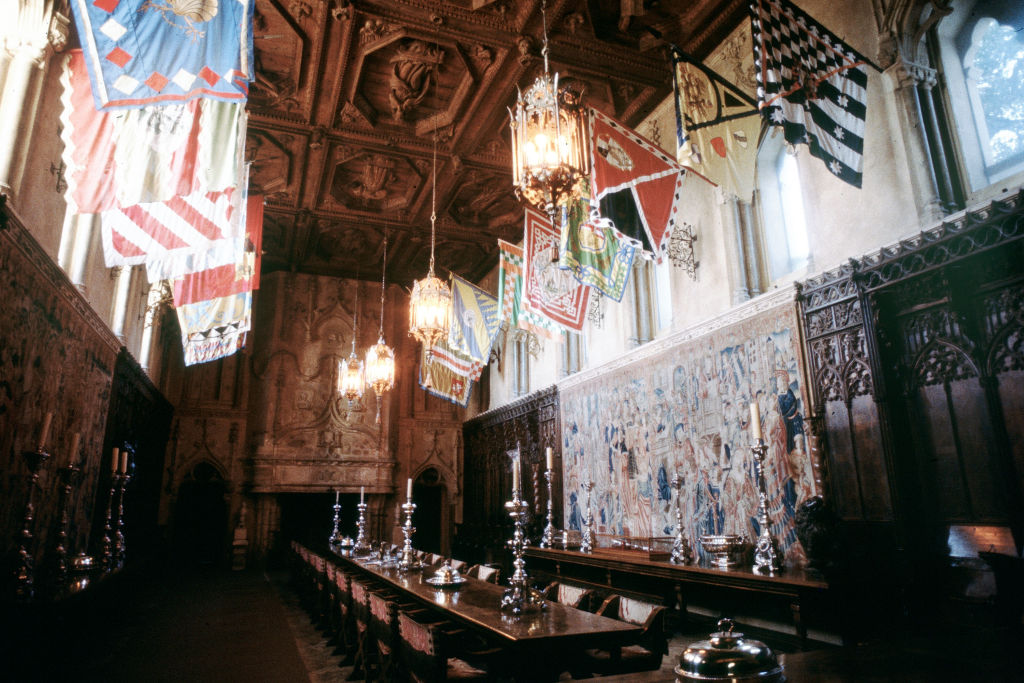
(145, 52)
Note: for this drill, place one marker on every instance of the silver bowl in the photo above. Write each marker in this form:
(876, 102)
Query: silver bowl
(723, 548)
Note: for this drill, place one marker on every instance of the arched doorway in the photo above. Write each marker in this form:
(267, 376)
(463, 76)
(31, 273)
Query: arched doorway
(431, 519)
(201, 517)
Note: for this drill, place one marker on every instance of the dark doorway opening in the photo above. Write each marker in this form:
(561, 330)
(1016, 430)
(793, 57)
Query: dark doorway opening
(201, 517)
(431, 516)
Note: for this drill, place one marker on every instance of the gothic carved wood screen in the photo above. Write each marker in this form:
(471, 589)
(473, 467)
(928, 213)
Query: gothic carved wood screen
(533, 424)
(917, 360)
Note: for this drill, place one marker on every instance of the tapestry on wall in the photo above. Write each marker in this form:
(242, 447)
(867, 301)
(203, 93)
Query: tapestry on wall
(686, 410)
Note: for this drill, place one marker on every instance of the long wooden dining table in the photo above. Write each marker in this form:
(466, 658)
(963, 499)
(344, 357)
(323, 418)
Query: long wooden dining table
(533, 645)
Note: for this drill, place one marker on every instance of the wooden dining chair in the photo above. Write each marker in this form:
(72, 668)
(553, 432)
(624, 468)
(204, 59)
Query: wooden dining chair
(383, 629)
(573, 596)
(425, 653)
(457, 565)
(647, 650)
(484, 573)
(361, 623)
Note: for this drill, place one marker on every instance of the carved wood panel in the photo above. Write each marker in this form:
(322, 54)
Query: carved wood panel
(531, 424)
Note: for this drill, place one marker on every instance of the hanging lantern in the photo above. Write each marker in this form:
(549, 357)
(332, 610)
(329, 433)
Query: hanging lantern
(351, 379)
(380, 359)
(430, 304)
(550, 142)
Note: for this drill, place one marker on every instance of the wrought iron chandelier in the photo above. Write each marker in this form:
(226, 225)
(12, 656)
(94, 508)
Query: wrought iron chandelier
(380, 358)
(430, 305)
(550, 141)
(350, 370)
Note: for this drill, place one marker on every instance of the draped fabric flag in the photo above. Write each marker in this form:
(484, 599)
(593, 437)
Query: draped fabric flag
(446, 374)
(214, 328)
(179, 236)
(510, 281)
(116, 159)
(549, 293)
(717, 127)
(812, 84)
(621, 159)
(475, 320)
(233, 278)
(596, 254)
(144, 52)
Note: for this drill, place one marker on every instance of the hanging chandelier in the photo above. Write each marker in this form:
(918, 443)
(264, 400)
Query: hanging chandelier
(380, 358)
(430, 305)
(550, 141)
(350, 370)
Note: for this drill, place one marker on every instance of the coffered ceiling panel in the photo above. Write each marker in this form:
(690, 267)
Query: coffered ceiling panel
(352, 95)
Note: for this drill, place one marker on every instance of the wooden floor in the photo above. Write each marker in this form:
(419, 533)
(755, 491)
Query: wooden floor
(197, 625)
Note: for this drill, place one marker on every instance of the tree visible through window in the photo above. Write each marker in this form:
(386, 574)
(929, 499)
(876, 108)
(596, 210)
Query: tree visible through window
(995, 68)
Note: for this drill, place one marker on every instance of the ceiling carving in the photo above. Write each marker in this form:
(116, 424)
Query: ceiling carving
(352, 96)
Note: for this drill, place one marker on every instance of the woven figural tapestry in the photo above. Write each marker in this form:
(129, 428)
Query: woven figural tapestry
(686, 409)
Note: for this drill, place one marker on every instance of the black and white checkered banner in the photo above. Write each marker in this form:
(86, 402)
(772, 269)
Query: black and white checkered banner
(812, 84)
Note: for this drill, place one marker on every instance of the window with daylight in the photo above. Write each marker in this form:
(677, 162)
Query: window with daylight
(520, 364)
(642, 294)
(572, 352)
(981, 49)
(782, 207)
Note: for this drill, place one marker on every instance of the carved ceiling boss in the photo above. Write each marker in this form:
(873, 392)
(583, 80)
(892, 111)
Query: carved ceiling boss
(413, 67)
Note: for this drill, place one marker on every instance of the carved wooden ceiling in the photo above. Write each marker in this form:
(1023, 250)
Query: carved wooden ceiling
(349, 93)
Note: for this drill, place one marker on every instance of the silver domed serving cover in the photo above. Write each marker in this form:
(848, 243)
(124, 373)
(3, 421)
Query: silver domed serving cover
(728, 656)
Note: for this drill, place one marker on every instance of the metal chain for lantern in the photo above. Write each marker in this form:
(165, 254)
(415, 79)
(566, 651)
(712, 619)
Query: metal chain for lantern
(430, 303)
(380, 358)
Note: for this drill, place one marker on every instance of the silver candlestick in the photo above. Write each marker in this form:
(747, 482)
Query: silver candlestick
(767, 558)
(519, 597)
(408, 561)
(335, 538)
(107, 559)
(119, 546)
(682, 553)
(68, 475)
(24, 574)
(361, 547)
(548, 539)
(587, 538)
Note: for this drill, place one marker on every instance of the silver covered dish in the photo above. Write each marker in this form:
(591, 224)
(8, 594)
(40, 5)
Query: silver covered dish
(446, 575)
(728, 656)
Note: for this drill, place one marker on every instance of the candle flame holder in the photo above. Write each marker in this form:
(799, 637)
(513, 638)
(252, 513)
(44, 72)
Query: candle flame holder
(68, 477)
(408, 561)
(682, 552)
(361, 547)
(335, 538)
(587, 538)
(519, 597)
(119, 544)
(767, 558)
(24, 573)
(548, 539)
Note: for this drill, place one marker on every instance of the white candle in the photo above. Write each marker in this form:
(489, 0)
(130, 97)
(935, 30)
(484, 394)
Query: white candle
(362, 494)
(755, 421)
(515, 475)
(114, 460)
(76, 438)
(124, 461)
(408, 489)
(550, 458)
(337, 494)
(44, 431)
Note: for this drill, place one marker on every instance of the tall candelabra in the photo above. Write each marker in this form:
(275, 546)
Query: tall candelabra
(119, 547)
(335, 538)
(767, 558)
(361, 546)
(68, 475)
(24, 573)
(682, 553)
(107, 558)
(587, 537)
(408, 560)
(519, 597)
(548, 539)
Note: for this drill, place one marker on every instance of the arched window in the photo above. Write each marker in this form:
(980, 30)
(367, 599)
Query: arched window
(981, 49)
(782, 207)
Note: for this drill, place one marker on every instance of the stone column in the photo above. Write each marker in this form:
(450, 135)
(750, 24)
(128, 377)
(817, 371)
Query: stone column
(906, 77)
